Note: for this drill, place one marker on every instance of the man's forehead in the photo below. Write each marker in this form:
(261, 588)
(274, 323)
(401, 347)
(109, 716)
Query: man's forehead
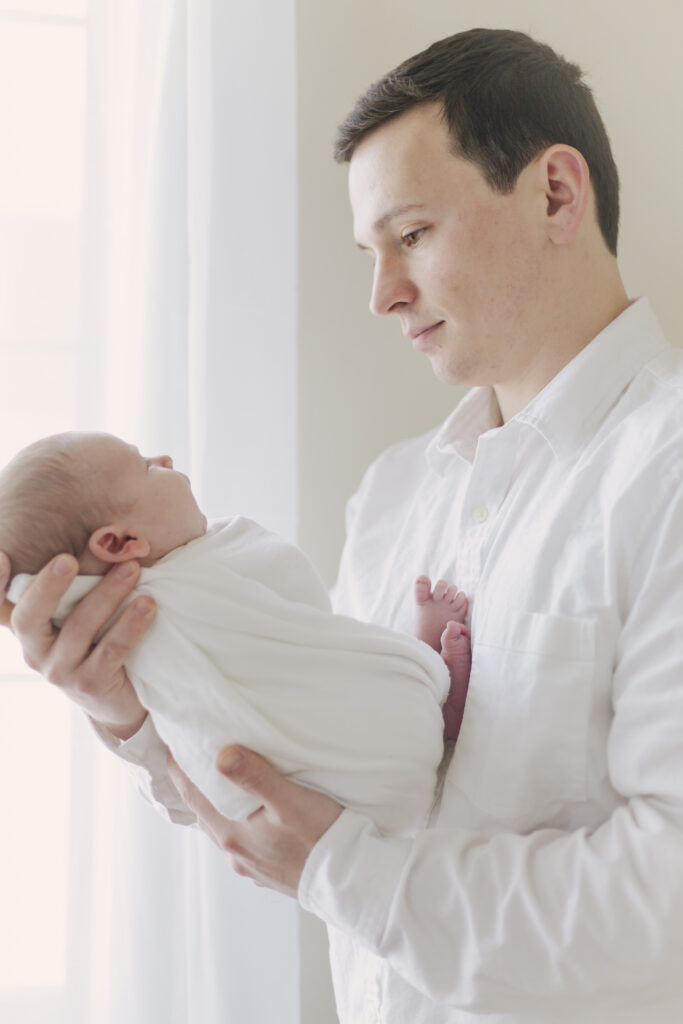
(380, 194)
(399, 147)
(399, 165)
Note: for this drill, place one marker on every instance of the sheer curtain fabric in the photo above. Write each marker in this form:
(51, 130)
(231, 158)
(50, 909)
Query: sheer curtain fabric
(190, 324)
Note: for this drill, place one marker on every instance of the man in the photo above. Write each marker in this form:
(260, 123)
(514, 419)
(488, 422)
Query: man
(549, 887)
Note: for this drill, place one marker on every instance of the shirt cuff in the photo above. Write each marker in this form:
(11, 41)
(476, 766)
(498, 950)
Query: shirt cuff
(138, 748)
(351, 877)
(145, 756)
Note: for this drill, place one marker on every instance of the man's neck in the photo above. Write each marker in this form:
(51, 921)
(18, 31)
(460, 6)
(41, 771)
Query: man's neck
(560, 344)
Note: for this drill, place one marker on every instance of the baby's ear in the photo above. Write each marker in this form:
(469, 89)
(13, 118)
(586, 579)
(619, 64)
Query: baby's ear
(114, 544)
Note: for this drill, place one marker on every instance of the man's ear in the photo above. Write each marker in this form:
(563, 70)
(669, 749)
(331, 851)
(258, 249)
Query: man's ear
(567, 185)
(114, 544)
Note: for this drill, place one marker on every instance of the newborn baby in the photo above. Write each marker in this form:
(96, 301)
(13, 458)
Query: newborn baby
(244, 647)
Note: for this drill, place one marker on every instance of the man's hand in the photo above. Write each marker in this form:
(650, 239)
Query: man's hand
(271, 846)
(93, 677)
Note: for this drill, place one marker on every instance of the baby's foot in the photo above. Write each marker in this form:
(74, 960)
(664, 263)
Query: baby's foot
(456, 651)
(436, 608)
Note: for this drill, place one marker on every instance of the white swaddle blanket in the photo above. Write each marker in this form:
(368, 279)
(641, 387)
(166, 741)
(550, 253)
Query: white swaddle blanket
(244, 649)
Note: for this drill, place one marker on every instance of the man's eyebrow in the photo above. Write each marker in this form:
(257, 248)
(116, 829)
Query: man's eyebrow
(396, 211)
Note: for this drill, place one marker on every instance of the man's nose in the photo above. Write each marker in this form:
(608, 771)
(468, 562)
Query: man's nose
(392, 289)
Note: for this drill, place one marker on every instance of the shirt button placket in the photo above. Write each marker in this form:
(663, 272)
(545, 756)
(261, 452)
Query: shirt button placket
(473, 540)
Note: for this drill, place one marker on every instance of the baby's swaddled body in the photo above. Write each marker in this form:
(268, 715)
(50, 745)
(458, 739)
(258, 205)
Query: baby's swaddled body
(245, 649)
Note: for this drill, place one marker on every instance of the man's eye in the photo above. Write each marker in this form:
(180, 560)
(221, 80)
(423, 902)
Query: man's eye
(411, 238)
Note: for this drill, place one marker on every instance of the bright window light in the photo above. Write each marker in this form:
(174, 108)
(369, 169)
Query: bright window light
(33, 880)
(42, 114)
(42, 106)
(54, 8)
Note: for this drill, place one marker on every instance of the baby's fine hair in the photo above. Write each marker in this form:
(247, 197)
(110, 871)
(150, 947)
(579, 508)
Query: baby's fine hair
(52, 499)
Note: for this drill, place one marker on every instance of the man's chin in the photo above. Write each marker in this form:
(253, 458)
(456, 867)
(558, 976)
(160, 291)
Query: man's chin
(449, 372)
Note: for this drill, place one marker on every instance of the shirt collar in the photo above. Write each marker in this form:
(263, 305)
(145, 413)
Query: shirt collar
(567, 411)
(474, 416)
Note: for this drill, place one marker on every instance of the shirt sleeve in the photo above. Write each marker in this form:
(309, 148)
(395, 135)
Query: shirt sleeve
(144, 754)
(553, 920)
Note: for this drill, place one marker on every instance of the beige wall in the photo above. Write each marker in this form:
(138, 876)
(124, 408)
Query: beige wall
(360, 385)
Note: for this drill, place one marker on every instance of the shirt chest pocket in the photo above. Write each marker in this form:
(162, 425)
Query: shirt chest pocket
(523, 743)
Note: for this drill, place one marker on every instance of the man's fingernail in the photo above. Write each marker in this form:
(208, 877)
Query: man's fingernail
(229, 762)
(124, 570)
(144, 606)
(63, 566)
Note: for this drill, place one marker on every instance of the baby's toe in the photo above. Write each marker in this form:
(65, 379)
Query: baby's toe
(423, 589)
(455, 639)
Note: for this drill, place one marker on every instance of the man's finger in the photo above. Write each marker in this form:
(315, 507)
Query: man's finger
(32, 617)
(6, 610)
(250, 772)
(58, 656)
(97, 608)
(112, 650)
(5, 570)
(208, 818)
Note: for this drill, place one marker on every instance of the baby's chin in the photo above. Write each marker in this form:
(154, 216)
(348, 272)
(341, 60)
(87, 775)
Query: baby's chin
(198, 531)
(201, 529)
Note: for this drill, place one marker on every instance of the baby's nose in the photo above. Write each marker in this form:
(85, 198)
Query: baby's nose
(164, 460)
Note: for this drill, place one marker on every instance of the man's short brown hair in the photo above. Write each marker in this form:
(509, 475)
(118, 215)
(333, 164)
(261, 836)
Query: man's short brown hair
(505, 98)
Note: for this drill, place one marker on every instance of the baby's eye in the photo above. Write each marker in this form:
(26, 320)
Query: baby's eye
(412, 238)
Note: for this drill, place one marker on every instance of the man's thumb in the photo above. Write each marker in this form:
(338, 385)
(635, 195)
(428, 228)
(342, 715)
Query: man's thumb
(248, 770)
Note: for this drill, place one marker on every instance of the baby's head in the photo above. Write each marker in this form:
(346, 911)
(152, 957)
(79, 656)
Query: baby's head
(95, 497)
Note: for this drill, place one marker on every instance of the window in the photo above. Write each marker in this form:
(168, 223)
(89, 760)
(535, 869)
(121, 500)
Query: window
(42, 127)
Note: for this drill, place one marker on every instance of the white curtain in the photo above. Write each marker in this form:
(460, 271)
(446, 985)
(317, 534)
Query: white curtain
(190, 310)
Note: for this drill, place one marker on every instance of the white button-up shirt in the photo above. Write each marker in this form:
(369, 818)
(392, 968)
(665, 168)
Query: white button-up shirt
(550, 885)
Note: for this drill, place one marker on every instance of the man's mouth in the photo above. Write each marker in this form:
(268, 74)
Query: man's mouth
(421, 335)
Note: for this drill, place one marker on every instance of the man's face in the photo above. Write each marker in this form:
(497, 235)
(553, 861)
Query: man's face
(158, 500)
(460, 264)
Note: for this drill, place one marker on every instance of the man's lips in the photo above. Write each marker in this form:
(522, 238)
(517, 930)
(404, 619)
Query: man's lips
(420, 335)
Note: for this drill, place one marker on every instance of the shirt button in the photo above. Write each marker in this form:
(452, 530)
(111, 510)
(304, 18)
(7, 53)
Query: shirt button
(480, 514)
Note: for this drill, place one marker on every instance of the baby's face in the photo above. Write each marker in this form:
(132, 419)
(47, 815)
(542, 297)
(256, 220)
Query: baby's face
(160, 502)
